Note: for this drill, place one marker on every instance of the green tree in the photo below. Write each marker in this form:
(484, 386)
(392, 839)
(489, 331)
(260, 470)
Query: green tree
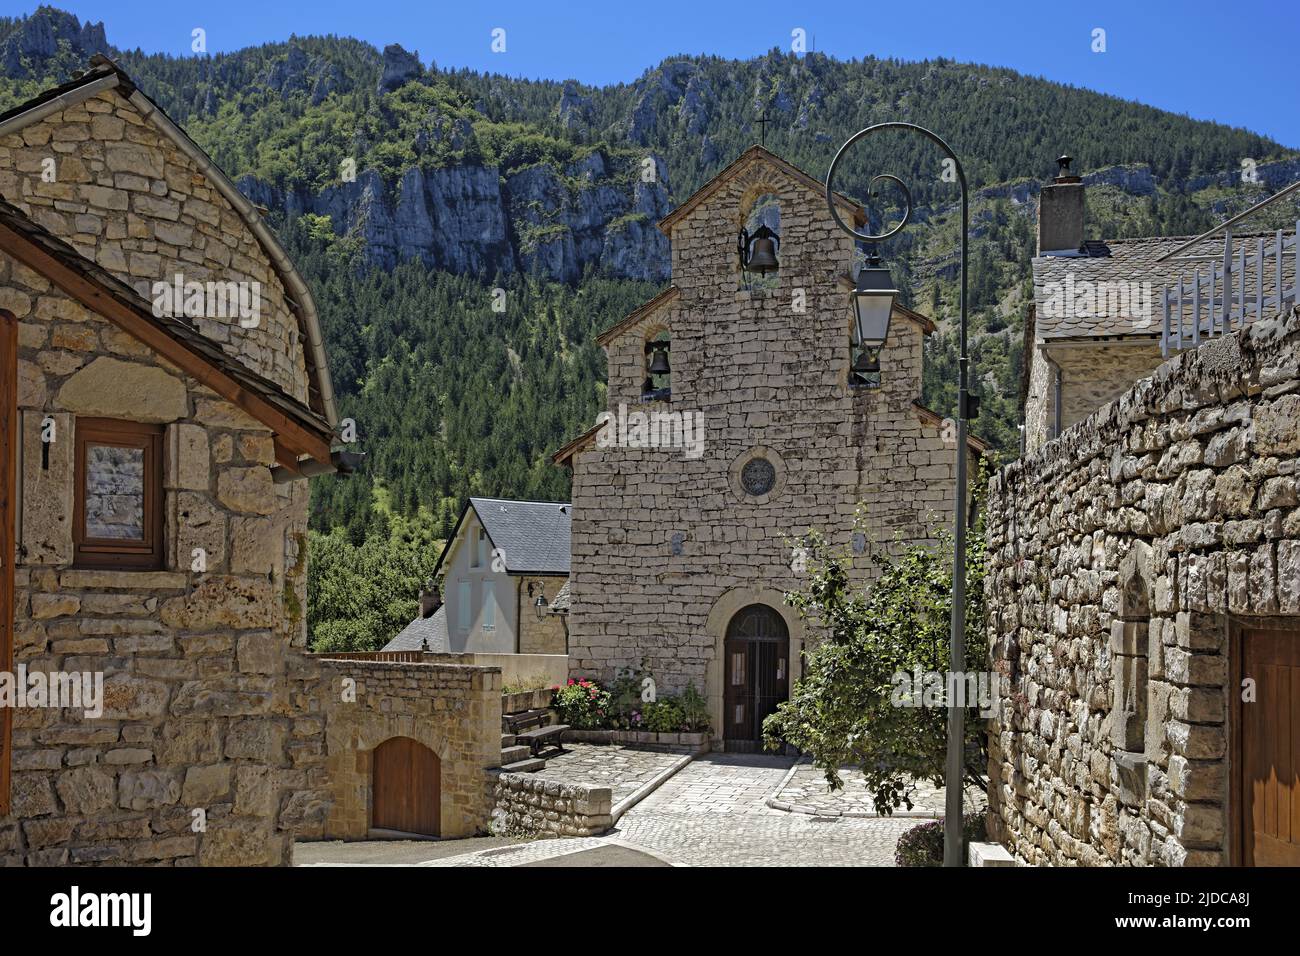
(843, 712)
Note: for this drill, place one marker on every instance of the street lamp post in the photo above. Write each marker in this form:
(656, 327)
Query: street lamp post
(952, 823)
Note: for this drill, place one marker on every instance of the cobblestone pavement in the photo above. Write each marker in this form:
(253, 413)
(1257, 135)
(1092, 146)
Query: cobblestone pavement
(608, 765)
(806, 792)
(714, 812)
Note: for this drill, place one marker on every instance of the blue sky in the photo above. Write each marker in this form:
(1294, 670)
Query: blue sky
(1230, 62)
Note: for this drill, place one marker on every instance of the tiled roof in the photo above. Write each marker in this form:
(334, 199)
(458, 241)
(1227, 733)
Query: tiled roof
(431, 629)
(1130, 260)
(533, 536)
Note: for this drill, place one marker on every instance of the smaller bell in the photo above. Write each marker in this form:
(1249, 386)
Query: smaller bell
(868, 362)
(659, 362)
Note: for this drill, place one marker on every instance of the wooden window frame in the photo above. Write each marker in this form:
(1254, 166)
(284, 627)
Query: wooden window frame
(150, 554)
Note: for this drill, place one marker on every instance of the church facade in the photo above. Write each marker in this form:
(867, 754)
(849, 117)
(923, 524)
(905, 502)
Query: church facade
(692, 496)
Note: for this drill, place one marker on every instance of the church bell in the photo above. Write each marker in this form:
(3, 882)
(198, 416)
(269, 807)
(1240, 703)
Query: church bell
(758, 250)
(659, 361)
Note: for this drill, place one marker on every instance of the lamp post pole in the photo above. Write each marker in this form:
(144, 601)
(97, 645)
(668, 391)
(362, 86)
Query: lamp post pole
(955, 764)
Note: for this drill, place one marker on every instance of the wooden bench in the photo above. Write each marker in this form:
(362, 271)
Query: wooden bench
(540, 737)
(524, 719)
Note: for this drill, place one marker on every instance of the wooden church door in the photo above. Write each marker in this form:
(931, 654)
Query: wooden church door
(756, 674)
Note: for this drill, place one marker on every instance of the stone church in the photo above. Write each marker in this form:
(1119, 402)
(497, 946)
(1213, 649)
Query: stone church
(737, 423)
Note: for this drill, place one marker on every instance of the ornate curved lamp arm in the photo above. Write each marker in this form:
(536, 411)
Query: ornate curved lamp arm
(955, 764)
(907, 196)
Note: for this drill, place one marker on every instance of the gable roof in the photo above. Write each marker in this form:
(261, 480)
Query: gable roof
(756, 152)
(533, 536)
(297, 427)
(563, 599)
(1128, 260)
(102, 75)
(572, 447)
(636, 315)
(431, 629)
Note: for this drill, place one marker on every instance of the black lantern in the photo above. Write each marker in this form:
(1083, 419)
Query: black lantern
(758, 250)
(873, 303)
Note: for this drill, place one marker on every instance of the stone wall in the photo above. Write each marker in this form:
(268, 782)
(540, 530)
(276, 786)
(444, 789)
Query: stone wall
(453, 709)
(1091, 376)
(771, 381)
(548, 635)
(1121, 556)
(525, 804)
(125, 197)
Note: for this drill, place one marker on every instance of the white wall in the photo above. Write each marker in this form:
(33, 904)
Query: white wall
(492, 612)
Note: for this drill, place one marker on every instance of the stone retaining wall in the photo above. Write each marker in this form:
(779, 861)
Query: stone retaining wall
(525, 804)
(1120, 558)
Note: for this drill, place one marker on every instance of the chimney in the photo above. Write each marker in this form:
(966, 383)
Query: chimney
(430, 600)
(1060, 212)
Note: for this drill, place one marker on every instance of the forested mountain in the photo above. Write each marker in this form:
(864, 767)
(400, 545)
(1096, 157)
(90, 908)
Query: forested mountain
(407, 192)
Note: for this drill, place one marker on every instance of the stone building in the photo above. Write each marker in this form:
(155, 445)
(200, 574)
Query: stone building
(686, 524)
(1144, 613)
(152, 496)
(1098, 316)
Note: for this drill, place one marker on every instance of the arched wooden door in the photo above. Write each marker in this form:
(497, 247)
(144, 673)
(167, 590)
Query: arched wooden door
(756, 673)
(406, 787)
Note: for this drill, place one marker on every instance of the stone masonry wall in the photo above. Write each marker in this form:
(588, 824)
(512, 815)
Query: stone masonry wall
(1117, 553)
(525, 804)
(547, 635)
(453, 709)
(125, 197)
(770, 380)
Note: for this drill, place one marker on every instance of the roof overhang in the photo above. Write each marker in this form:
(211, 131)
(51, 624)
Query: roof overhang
(106, 75)
(978, 445)
(567, 451)
(299, 434)
(669, 294)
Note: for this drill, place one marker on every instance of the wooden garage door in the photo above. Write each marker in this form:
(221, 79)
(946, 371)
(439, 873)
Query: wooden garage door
(1270, 749)
(406, 787)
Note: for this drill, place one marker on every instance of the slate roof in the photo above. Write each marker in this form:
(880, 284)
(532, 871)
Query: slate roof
(1131, 260)
(432, 629)
(532, 535)
(177, 329)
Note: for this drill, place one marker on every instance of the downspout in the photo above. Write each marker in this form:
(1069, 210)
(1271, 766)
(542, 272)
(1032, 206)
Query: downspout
(1057, 377)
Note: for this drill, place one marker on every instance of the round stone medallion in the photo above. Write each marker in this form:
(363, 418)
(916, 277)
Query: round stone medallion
(757, 477)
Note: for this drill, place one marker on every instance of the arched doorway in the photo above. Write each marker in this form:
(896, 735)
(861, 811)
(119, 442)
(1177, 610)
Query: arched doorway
(406, 787)
(756, 673)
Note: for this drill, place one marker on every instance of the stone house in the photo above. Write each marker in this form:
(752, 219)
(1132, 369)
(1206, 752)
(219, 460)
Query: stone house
(1098, 318)
(502, 571)
(691, 495)
(154, 512)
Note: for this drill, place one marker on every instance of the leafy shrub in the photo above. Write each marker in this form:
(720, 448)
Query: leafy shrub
(923, 845)
(695, 711)
(665, 715)
(582, 704)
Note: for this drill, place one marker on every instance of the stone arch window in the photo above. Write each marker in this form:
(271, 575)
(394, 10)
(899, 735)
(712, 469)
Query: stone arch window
(761, 219)
(658, 385)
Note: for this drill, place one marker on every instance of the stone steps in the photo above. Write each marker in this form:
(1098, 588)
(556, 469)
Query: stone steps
(507, 740)
(513, 754)
(530, 765)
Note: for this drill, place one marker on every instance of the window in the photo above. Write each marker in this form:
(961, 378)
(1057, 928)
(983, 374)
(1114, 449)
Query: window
(476, 550)
(462, 605)
(489, 610)
(117, 518)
